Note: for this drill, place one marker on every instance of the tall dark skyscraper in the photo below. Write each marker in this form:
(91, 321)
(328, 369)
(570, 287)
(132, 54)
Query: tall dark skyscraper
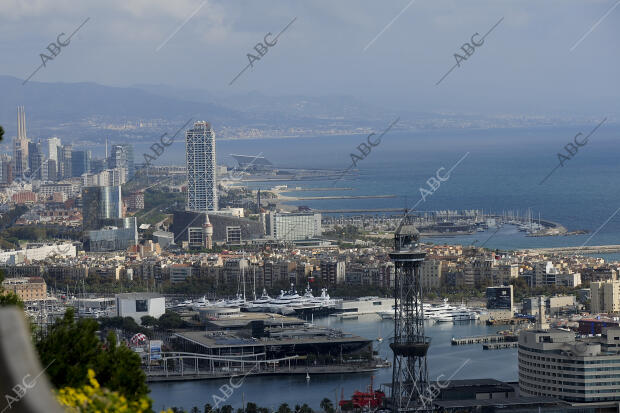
(20, 145)
(35, 159)
(80, 162)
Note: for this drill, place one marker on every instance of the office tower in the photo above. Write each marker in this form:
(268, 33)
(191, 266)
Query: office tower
(80, 162)
(121, 156)
(63, 163)
(410, 373)
(6, 169)
(20, 145)
(101, 206)
(52, 170)
(53, 144)
(200, 158)
(35, 159)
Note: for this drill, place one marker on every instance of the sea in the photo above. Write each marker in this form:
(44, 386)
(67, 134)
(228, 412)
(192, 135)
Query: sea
(494, 170)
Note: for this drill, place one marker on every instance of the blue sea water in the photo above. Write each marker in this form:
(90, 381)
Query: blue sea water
(502, 170)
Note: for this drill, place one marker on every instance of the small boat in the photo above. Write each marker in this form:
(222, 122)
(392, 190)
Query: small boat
(380, 339)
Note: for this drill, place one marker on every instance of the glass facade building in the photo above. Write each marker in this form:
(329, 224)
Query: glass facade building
(201, 168)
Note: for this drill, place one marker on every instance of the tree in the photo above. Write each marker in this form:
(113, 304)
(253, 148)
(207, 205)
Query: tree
(170, 320)
(251, 408)
(118, 368)
(71, 348)
(208, 408)
(327, 405)
(1, 132)
(148, 321)
(8, 298)
(284, 408)
(305, 409)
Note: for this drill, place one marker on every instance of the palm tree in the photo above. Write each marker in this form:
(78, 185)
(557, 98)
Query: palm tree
(327, 405)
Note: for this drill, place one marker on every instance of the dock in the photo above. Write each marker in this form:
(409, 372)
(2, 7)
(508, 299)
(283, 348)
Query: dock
(492, 338)
(500, 346)
(180, 375)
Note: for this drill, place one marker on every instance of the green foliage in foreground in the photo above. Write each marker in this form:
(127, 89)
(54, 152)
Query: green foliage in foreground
(8, 298)
(71, 348)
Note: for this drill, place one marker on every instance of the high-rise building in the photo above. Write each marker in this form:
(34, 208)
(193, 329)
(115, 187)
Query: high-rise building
(64, 161)
(121, 156)
(20, 145)
(80, 162)
(35, 159)
(605, 296)
(51, 169)
(6, 169)
(201, 166)
(101, 206)
(53, 144)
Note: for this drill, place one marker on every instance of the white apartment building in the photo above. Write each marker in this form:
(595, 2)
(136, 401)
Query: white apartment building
(605, 297)
(293, 226)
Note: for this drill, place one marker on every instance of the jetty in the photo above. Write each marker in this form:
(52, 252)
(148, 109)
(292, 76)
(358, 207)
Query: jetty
(491, 338)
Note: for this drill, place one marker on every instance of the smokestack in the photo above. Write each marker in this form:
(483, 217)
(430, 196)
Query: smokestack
(19, 122)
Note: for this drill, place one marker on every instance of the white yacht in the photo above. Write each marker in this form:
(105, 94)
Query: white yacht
(456, 314)
(259, 304)
(201, 303)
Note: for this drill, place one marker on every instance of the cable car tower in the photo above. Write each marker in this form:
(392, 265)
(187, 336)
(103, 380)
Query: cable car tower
(409, 374)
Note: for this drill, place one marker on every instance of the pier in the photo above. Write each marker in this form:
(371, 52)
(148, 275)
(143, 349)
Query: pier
(194, 374)
(592, 249)
(492, 338)
(500, 346)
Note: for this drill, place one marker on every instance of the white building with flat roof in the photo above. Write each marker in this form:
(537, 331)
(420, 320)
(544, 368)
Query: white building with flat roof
(293, 226)
(137, 305)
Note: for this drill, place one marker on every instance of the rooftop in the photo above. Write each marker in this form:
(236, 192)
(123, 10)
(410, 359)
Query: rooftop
(226, 339)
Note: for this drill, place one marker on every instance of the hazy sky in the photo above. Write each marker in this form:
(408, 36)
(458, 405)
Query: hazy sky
(525, 65)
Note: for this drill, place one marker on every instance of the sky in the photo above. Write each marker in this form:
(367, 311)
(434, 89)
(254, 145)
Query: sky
(543, 57)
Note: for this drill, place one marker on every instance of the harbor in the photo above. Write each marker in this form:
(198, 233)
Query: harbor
(266, 389)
